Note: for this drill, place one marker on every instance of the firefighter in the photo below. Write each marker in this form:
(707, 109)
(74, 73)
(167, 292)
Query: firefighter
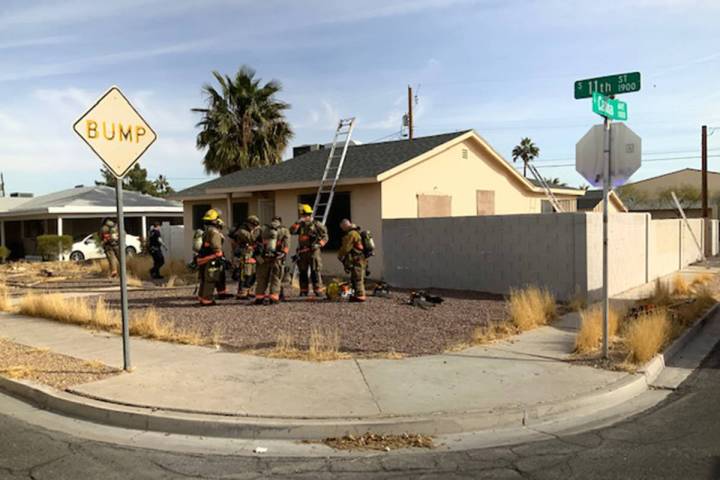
(312, 237)
(352, 256)
(271, 249)
(243, 238)
(110, 241)
(211, 260)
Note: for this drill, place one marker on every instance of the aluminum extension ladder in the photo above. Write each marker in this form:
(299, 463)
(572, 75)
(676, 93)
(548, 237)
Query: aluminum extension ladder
(548, 191)
(333, 168)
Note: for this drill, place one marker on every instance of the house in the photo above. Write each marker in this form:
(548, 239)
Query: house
(653, 194)
(592, 201)
(453, 174)
(77, 212)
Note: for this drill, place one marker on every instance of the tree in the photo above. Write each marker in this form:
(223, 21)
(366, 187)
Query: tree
(688, 196)
(136, 180)
(162, 186)
(632, 196)
(527, 151)
(243, 125)
(555, 182)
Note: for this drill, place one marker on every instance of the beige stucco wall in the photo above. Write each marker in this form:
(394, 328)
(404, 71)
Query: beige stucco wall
(449, 173)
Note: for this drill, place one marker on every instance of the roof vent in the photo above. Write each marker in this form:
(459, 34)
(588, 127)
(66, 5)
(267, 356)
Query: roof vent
(312, 147)
(21, 195)
(80, 186)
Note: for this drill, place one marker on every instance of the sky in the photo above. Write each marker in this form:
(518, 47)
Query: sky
(502, 67)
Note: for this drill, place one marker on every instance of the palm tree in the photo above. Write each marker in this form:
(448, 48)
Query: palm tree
(527, 151)
(243, 125)
(555, 182)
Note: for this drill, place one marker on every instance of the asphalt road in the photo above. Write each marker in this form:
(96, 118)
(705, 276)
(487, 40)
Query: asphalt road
(678, 439)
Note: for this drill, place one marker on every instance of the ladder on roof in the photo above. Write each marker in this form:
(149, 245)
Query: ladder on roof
(548, 191)
(333, 168)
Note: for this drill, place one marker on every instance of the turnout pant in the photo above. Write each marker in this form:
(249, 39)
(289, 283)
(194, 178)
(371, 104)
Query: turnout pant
(158, 262)
(269, 278)
(207, 287)
(247, 277)
(112, 252)
(310, 261)
(357, 277)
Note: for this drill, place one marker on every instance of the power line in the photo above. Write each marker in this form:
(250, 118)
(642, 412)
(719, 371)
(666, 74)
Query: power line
(649, 160)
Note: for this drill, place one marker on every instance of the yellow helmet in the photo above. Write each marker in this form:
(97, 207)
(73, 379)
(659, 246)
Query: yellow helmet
(211, 215)
(305, 209)
(333, 291)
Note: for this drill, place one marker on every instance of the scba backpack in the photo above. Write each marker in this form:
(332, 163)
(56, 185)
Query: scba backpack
(368, 243)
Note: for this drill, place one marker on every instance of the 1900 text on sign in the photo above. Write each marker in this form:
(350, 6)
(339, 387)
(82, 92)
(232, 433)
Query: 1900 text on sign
(115, 131)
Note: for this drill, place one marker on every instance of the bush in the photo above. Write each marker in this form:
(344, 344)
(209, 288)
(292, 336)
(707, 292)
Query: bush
(589, 337)
(52, 246)
(646, 335)
(4, 253)
(531, 307)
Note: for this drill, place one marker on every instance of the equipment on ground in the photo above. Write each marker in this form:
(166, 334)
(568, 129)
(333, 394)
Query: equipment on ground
(382, 289)
(333, 169)
(424, 300)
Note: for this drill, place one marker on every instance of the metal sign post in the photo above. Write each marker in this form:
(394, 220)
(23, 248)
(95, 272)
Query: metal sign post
(595, 162)
(123, 275)
(116, 132)
(606, 192)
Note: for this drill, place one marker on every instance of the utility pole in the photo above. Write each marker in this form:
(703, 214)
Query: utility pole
(410, 113)
(703, 155)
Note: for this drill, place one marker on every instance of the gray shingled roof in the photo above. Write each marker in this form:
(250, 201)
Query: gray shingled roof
(97, 196)
(362, 161)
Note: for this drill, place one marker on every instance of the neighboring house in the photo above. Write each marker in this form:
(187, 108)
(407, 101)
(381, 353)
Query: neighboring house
(592, 202)
(77, 212)
(454, 174)
(645, 195)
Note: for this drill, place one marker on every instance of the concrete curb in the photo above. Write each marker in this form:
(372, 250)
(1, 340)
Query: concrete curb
(437, 423)
(654, 367)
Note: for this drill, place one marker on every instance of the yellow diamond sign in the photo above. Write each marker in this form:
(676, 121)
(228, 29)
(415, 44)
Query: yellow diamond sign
(115, 131)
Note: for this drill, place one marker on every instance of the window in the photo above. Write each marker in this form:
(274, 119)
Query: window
(434, 205)
(485, 200)
(198, 211)
(239, 212)
(339, 209)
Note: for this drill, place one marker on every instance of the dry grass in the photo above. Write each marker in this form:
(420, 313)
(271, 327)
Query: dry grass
(589, 337)
(577, 302)
(531, 307)
(492, 332)
(6, 304)
(323, 345)
(175, 270)
(79, 311)
(680, 286)
(662, 295)
(646, 335)
(702, 279)
(18, 372)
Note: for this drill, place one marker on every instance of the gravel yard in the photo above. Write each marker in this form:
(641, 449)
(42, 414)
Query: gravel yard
(60, 371)
(376, 327)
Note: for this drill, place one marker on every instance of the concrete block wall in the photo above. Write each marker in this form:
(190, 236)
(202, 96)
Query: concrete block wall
(487, 253)
(561, 251)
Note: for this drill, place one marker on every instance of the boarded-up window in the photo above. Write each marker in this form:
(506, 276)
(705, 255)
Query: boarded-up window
(485, 202)
(434, 206)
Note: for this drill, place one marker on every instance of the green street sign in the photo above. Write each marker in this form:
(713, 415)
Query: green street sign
(610, 85)
(609, 107)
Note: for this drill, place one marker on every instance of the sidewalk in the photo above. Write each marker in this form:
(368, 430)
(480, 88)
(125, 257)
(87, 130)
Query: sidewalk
(508, 376)
(523, 380)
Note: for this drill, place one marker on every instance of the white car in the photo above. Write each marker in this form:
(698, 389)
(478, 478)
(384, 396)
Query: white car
(88, 249)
